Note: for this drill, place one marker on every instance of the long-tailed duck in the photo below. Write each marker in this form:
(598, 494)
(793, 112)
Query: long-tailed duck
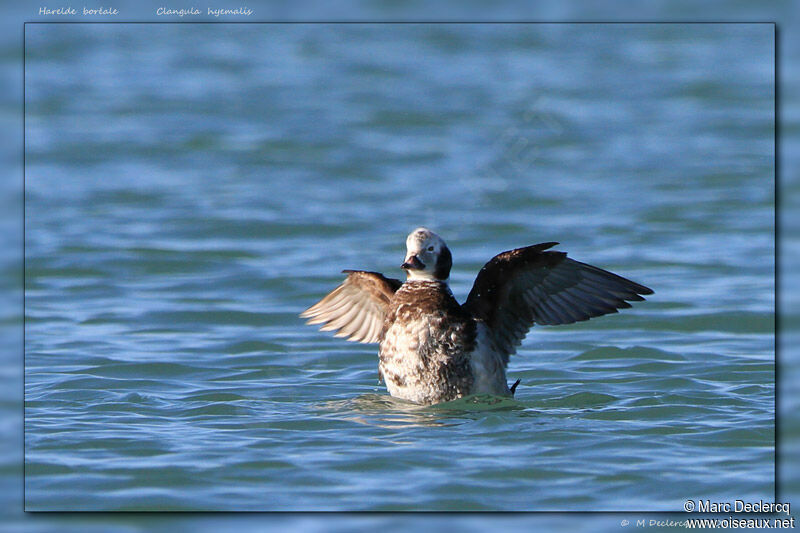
(434, 350)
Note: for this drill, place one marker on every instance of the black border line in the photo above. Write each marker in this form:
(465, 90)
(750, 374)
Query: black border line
(24, 265)
(776, 277)
(776, 267)
(407, 22)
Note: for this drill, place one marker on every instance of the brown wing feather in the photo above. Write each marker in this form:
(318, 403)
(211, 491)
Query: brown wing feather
(356, 308)
(528, 286)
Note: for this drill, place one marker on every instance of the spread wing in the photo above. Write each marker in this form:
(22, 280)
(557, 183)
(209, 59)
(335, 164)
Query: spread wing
(356, 308)
(528, 286)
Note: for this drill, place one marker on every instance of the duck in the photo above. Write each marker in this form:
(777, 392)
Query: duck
(431, 349)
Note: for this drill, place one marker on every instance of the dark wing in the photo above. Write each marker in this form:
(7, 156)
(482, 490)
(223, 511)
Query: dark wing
(356, 308)
(528, 286)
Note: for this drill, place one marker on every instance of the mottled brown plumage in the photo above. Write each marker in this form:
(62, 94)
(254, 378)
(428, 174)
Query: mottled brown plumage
(357, 307)
(431, 348)
(425, 346)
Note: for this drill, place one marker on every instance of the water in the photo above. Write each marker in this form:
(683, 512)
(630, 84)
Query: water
(191, 188)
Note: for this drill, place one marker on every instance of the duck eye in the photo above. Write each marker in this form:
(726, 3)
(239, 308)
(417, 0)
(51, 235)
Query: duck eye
(430, 248)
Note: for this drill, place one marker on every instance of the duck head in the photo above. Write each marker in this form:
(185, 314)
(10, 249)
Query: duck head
(427, 256)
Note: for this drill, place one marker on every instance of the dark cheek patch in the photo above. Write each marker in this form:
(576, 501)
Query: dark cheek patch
(443, 264)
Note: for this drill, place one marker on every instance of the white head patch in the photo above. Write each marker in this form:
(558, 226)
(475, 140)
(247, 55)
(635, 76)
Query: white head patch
(425, 256)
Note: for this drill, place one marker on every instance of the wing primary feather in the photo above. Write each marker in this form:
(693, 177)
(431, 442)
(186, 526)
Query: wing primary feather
(549, 315)
(337, 322)
(364, 326)
(356, 308)
(333, 309)
(372, 334)
(591, 305)
(577, 313)
(349, 328)
(564, 316)
(632, 286)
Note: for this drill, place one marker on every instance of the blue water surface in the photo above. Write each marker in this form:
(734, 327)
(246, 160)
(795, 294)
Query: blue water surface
(191, 188)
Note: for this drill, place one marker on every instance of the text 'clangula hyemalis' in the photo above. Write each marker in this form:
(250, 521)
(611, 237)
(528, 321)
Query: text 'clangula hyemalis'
(433, 349)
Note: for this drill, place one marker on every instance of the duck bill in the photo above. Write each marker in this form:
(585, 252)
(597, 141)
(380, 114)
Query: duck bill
(412, 263)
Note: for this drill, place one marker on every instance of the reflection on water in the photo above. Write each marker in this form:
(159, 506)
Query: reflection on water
(388, 412)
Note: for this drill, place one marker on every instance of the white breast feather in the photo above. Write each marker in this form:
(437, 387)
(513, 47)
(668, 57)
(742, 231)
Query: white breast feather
(487, 366)
(400, 357)
(400, 349)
